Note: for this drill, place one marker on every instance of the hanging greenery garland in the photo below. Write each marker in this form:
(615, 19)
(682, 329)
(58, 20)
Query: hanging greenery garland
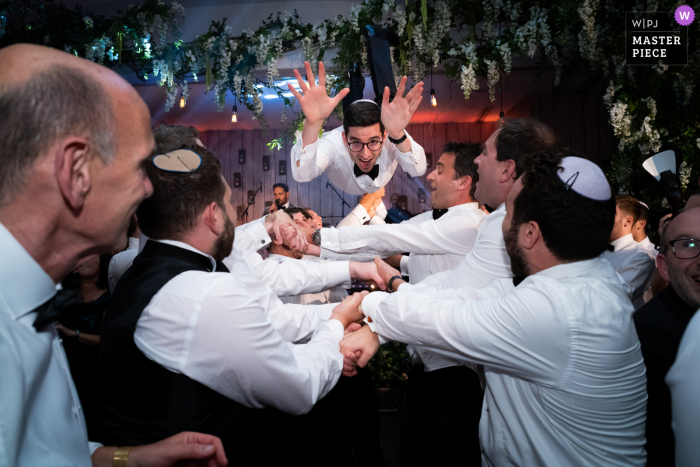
(650, 108)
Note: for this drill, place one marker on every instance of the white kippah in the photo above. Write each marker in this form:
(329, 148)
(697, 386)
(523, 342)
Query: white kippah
(585, 178)
(364, 100)
(644, 204)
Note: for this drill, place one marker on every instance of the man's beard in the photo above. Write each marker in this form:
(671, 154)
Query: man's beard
(224, 244)
(518, 264)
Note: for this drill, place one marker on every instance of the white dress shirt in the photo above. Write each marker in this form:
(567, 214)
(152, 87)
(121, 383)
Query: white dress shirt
(332, 295)
(121, 262)
(565, 376)
(359, 215)
(634, 263)
(683, 379)
(329, 155)
(647, 245)
(286, 278)
(223, 331)
(41, 419)
(435, 245)
(486, 262)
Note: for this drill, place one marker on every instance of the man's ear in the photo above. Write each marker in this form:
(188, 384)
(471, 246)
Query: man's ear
(464, 183)
(72, 168)
(530, 234)
(627, 221)
(213, 218)
(345, 140)
(508, 172)
(662, 266)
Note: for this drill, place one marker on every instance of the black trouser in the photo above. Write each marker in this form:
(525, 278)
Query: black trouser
(344, 425)
(440, 420)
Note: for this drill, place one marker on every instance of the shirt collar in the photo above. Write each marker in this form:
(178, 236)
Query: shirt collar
(186, 246)
(622, 242)
(646, 242)
(24, 285)
(133, 244)
(468, 206)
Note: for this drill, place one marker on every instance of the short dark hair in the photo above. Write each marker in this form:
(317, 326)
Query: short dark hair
(180, 198)
(465, 153)
(53, 104)
(630, 206)
(363, 114)
(304, 212)
(520, 138)
(281, 185)
(172, 137)
(574, 228)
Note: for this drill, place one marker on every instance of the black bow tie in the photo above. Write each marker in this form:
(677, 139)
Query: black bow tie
(611, 248)
(438, 213)
(221, 267)
(53, 309)
(374, 173)
(517, 280)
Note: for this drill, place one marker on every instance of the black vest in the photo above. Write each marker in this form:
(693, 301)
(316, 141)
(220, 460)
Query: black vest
(142, 402)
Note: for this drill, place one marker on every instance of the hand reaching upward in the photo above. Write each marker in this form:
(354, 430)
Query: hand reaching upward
(397, 114)
(316, 104)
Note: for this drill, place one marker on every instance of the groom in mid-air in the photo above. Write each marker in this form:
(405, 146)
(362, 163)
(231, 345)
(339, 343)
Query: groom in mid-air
(362, 155)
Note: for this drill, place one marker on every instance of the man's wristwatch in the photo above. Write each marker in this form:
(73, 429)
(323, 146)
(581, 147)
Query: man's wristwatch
(316, 237)
(400, 140)
(391, 282)
(77, 334)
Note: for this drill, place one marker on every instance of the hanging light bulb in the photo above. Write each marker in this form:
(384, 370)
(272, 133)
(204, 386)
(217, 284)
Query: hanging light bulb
(234, 117)
(182, 102)
(433, 101)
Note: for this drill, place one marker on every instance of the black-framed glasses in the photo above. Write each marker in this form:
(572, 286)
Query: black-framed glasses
(357, 146)
(685, 248)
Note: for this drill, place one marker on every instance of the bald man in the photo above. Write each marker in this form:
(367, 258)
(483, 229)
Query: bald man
(74, 141)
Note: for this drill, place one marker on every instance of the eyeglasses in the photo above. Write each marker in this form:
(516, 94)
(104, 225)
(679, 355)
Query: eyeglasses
(357, 146)
(685, 248)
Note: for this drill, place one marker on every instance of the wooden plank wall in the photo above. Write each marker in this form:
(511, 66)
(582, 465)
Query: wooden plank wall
(580, 119)
(315, 194)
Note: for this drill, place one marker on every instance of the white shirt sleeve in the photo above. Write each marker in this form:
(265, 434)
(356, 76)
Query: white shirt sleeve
(252, 236)
(310, 161)
(413, 162)
(294, 277)
(683, 379)
(524, 332)
(358, 216)
(228, 343)
(637, 273)
(453, 235)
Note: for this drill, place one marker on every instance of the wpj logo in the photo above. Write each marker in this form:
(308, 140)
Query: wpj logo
(654, 38)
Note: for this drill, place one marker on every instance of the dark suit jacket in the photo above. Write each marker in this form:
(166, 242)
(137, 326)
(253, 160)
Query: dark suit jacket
(267, 209)
(660, 325)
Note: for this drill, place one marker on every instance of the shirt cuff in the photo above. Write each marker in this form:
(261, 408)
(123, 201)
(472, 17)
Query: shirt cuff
(338, 273)
(93, 446)
(376, 220)
(360, 212)
(335, 327)
(306, 151)
(405, 287)
(380, 211)
(259, 235)
(404, 265)
(369, 307)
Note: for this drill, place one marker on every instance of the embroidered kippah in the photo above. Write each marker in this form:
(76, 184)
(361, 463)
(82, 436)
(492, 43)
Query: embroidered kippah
(181, 160)
(585, 178)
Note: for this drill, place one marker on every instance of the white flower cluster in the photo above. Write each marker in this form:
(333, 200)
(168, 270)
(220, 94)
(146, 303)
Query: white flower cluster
(177, 10)
(96, 51)
(588, 37)
(387, 5)
(468, 78)
(238, 85)
(185, 91)
(650, 138)
(684, 174)
(209, 44)
(113, 54)
(141, 18)
(506, 57)
(401, 21)
(311, 55)
(170, 97)
(512, 10)
(426, 42)
(697, 142)
(272, 72)
(192, 59)
(493, 76)
(88, 22)
(492, 9)
(160, 67)
(660, 68)
(619, 63)
(355, 17)
(161, 26)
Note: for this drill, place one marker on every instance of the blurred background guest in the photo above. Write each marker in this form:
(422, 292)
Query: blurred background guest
(80, 329)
